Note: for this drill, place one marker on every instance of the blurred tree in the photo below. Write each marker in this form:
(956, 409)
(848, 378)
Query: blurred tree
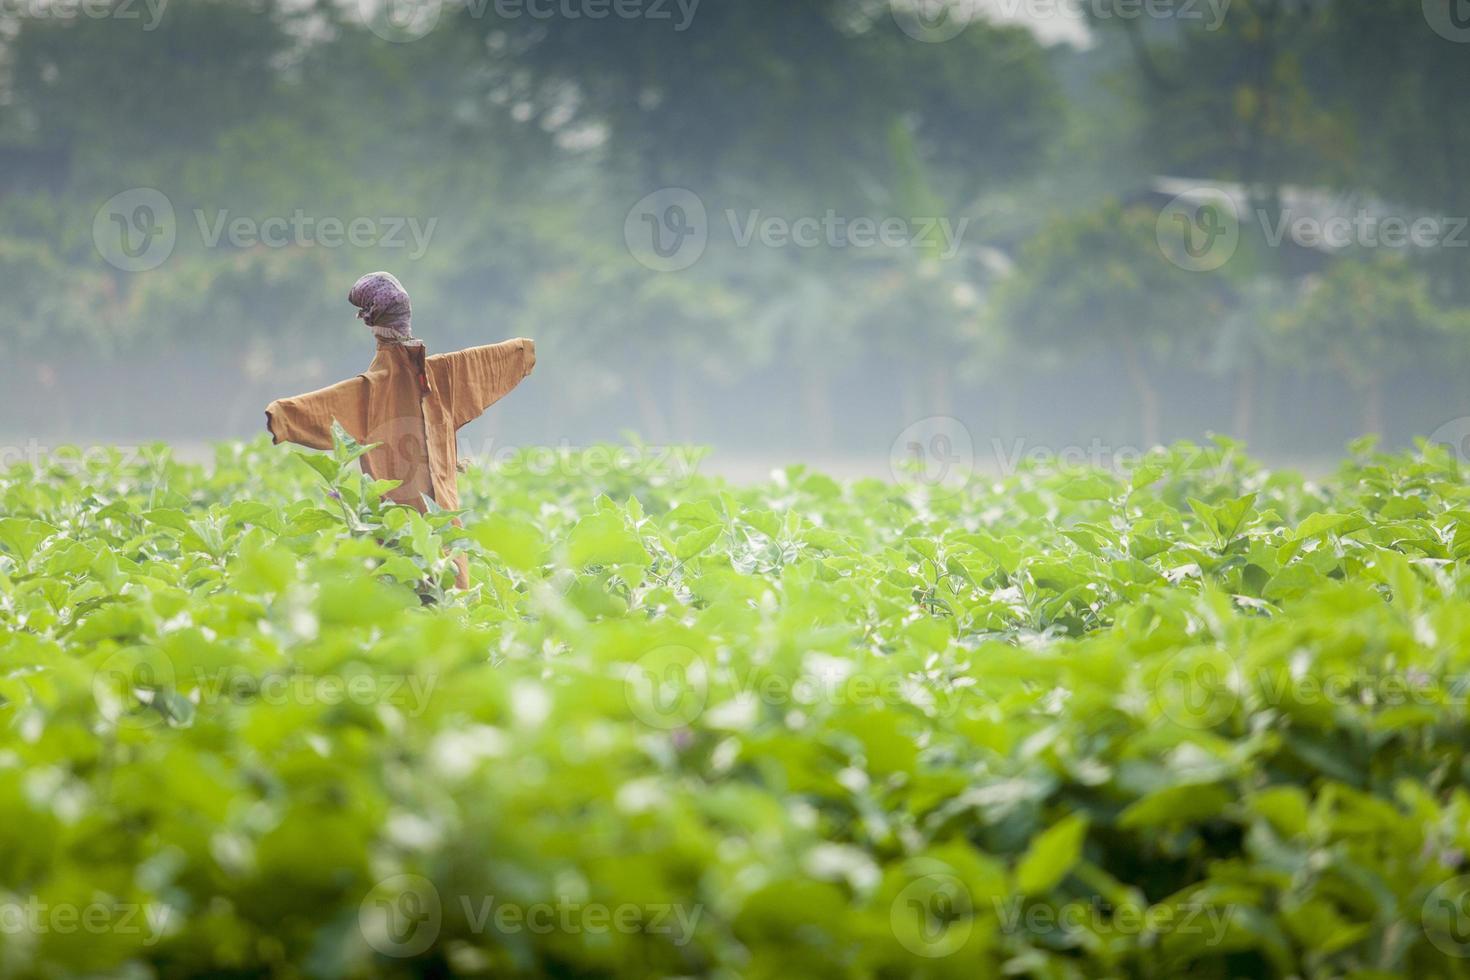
(781, 93)
(1332, 95)
(1243, 343)
(793, 109)
(1367, 318)
(95, 100)
(1098, 285)
(1387, 69)
(1226, 100)
(634, 332)
(525, 140)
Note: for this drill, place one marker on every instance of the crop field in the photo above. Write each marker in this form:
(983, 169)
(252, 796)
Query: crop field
(1196, 718)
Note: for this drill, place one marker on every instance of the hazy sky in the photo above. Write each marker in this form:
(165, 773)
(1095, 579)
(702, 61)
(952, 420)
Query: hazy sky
(1052, 21)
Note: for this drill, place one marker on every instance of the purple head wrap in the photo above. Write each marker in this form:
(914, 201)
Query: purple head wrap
(383, 305)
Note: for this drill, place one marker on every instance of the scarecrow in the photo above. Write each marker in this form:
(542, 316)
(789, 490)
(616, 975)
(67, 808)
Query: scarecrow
(409, 403)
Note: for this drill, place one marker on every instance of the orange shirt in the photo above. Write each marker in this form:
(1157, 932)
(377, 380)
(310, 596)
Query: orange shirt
(412, 405)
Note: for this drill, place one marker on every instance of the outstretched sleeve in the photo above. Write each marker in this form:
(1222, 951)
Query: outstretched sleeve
(307, 419)
(480, 376)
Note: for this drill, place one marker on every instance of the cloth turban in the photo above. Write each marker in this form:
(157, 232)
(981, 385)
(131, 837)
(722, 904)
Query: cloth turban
(383, 305)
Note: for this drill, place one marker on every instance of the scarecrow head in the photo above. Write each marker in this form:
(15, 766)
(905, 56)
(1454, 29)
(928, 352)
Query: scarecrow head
(383, 305)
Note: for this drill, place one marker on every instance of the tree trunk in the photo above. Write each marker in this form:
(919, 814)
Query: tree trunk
(939, 397)
(1148, 395)
(911, 407)
(1373, 406)
(649, 414)
(1244, 419)
(684, 406)
(817, 395)
(1150, 414)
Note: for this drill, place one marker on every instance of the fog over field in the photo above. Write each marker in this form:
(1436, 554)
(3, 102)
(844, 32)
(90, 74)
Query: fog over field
(781, 230)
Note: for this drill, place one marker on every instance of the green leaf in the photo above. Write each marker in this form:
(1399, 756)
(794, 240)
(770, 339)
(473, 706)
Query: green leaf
(1316, 525)
(324, 465)
(517, 542)
(20, 537)
(605, 539)
(168, 517)
(1091, 487)
(1175, 805)
(696, 542)
(1052, 854)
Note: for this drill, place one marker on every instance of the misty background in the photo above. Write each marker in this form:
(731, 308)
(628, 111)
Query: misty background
(786, 229)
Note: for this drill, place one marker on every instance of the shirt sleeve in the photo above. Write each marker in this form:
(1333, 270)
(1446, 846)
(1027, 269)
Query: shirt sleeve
(478, 377)
(307, 419)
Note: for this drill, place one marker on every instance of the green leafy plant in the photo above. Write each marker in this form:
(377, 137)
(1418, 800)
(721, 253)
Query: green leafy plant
(1196, 717)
